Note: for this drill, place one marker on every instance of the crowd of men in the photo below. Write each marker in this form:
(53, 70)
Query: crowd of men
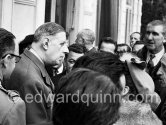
(51, 83)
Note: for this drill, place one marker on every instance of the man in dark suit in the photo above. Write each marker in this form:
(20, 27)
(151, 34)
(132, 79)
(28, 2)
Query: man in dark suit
(154, 54)
(30, 76)
(86, 37)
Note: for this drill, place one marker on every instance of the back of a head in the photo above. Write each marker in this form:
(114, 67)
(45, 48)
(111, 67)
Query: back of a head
(108, 64)
(102, 62)
(47, 29)
(87, 35)
(123, 48)
(7, 43)
(87, 103)
(26, 42)
(77, 48)
(107, 40)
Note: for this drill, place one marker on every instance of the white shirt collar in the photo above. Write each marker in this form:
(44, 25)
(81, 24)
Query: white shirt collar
(60, 69)
(34, 52)
(157, 57)
(90, 48)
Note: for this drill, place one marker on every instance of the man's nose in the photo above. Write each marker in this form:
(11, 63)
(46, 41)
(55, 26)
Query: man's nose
(65, 49)
(150, 36)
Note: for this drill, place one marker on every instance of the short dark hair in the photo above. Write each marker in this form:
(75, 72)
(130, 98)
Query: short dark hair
(6, 41)
(77, 48)
(124, 44)
(26, 42)
(108, 64)
(81, 82)
(107, 40)
(47, 29)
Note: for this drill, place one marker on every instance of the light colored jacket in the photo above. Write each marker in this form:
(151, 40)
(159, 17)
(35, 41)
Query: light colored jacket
(12, 108)
(136, 113)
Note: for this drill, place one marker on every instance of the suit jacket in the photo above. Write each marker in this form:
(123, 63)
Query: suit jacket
(158, 73)
(55, 78)
(161, 110)
(159, 76)
(93, 50)
(33, 83)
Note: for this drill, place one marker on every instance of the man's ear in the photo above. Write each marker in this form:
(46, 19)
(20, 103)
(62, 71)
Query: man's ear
(125, 90)
(45, 43)
(3, 63)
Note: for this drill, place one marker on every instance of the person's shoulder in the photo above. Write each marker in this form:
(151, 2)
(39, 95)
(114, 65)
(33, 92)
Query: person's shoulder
(12, 102)
(10, 96)
(25, 68)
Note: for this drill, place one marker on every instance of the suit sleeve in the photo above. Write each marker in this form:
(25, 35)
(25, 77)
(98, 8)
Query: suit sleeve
(16, 115)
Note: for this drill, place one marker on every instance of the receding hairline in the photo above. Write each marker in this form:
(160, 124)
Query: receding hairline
(48, 29)
(156, 23)
(135, 33)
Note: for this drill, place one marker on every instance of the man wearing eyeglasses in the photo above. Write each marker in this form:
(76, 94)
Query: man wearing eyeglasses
(31, 78)
(12, 107)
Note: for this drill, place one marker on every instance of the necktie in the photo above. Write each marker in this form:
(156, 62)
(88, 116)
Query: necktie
(54, 71)
(150, 64)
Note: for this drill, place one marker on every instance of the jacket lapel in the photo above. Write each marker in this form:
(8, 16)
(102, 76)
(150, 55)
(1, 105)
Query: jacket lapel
(143, 53)
(41, 67)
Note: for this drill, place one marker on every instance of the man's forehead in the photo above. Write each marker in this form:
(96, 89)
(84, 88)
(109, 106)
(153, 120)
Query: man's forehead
(155, 27)
(60, 35)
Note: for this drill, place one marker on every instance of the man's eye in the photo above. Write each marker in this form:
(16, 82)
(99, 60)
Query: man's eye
(11, 57)
(71, 61)
(62, 44)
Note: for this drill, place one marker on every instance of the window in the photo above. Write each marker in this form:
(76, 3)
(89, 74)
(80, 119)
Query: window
(55, 11)
(48, 11)
(60, 15)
